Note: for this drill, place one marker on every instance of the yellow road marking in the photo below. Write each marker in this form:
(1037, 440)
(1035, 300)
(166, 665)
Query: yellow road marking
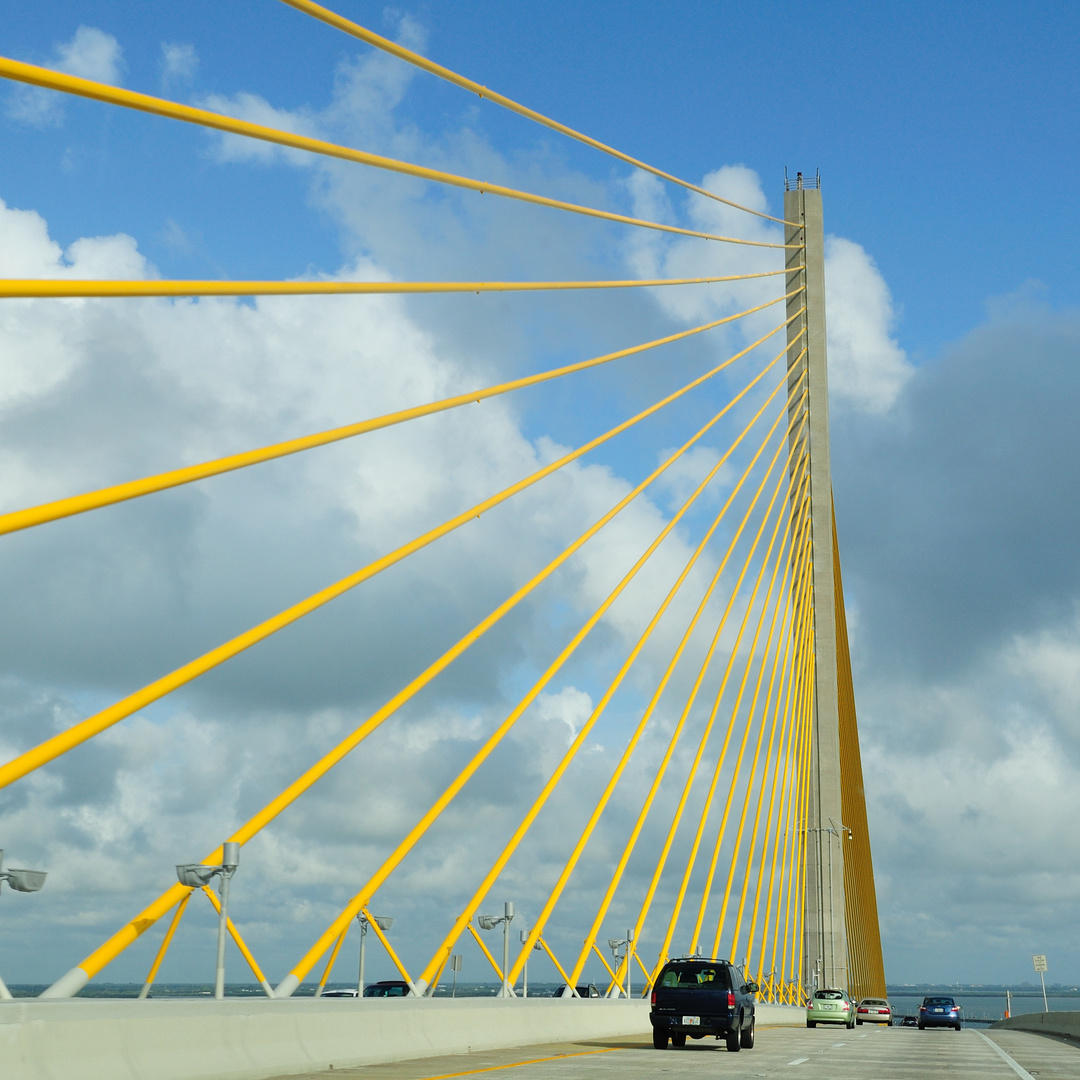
(516, 1064)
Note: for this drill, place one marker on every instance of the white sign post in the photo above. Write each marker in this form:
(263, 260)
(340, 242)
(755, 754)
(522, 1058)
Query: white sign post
(1040, 966)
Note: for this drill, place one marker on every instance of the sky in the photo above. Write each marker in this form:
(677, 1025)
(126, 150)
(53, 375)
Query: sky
(946, 141)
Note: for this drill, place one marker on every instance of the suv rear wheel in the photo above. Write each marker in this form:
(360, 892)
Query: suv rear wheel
(733, 1037)
(746, 1037)
(679, 1039)
(659, 1039)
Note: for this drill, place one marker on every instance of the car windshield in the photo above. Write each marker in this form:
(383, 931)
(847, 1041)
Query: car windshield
(829, 995)
(692, 974)
(938, 1001)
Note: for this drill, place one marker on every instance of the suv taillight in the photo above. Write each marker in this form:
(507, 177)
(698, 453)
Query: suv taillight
(654, 997)
(731, 999)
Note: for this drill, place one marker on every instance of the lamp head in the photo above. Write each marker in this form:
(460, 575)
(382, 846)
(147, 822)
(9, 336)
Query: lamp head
(195, 875)
(384, 921)
(24, 880)
(487, 922)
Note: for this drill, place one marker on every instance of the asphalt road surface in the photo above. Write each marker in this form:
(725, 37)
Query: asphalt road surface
(867, 1053)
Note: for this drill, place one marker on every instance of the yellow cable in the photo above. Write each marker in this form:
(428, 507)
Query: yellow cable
(554, 960)
(661, 770)
(331, 18)
(52, 288)
(786, 633)
(747, 667)
(487, 952)
(721, 757)
(406, 845)
(590, 825)
(374, 924)
(330, 963)
(795, 834)
(131, 931)
(78, 504)
(129, 99)
(579, 739)
(166, 942)
(692, 774)
(86, 729)
(782, 768)
(240, 943)
(750, 713)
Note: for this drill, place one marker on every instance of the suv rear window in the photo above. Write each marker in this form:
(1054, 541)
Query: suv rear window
(694, 974)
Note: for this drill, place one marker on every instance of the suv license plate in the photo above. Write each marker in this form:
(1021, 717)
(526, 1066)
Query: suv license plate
(691, 1021)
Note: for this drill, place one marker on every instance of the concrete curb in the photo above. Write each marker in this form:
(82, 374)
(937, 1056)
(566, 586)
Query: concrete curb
(1065, 1024)
(254, 1039)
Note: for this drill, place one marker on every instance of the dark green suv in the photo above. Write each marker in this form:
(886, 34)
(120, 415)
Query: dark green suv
(695, 996)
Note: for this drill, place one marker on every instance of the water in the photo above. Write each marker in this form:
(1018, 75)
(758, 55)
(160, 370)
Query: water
(985, 1005)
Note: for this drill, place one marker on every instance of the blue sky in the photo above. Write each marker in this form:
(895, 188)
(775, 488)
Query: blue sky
(946, 139)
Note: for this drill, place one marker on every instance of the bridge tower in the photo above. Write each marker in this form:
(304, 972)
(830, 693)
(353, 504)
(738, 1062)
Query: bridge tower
(825, 950)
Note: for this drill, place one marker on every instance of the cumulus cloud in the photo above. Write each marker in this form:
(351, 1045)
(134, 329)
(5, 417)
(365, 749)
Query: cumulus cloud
(179, 62)
(90, 54)
(867, 368)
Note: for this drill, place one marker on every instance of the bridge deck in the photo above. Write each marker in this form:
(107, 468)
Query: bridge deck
(822, 1054)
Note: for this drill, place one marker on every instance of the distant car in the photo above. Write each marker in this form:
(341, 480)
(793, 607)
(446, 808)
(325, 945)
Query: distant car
(347, 991)
(830, 1007)
(909, 1021)
(387, 988)
(589, 990)
(695, 996)
(939, 1012)
(873, 1011)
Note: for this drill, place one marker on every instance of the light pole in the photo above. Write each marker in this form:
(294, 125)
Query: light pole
(455, 967)
(615, 944)
(523, 937)
(20, 881)
(195, 876)
(384, 922)
(489, 922)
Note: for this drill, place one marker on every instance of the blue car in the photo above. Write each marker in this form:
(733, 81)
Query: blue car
(939, 1012)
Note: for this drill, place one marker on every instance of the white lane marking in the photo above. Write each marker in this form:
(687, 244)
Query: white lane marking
(798, 1061)
(1019, 1070)
(838, 1044)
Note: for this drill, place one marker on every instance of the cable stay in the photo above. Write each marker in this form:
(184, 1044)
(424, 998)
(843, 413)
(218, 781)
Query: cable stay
(331, 18)
(173, 110)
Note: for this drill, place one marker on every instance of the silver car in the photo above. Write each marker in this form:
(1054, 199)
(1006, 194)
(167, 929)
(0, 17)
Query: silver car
(830, 1007)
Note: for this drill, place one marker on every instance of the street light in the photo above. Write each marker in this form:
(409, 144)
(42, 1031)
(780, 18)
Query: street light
(195, 876)
(523, 937)
(615, 944)
(383, 922)
(20, 881)
(489, 922)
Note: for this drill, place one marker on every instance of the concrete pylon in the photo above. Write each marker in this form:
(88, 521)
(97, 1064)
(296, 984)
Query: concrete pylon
(825, 961)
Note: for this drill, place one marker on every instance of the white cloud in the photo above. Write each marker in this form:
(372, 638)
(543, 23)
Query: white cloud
(90, 54)
(179, 62)
(867, 368)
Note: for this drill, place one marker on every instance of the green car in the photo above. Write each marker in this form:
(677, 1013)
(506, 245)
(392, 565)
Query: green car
(830, 1007)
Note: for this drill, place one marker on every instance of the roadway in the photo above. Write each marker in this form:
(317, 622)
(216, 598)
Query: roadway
(797, 1053)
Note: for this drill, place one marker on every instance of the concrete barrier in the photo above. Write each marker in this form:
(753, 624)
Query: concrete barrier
(1065, 1024)
(252, 1039)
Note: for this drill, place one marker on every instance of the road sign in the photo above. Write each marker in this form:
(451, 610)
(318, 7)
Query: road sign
(1039, 962)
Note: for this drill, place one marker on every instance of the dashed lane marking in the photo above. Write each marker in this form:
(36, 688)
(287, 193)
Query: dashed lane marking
(798, 1061)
